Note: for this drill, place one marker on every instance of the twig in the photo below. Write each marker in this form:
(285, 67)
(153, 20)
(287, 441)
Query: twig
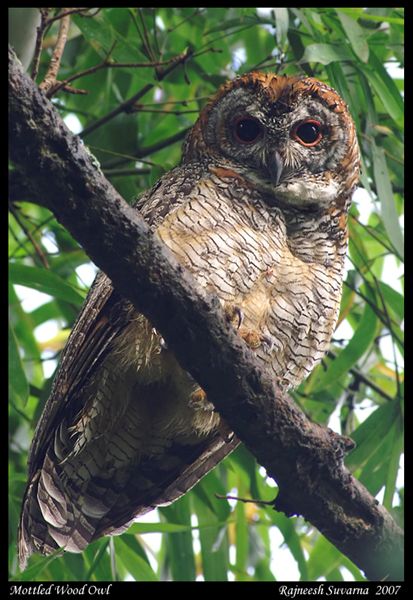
(142, 152)
(197, 11)
(246, 500)
(183, 102)
(39, 41)
(371, 231)
(167, 112)
(389, 154)
(125, 106)
(51, 75)
(107, 64)
(358, 376)
(35, 245)
(72, 11)
(393, 336)
(145, 36)
(125, 172)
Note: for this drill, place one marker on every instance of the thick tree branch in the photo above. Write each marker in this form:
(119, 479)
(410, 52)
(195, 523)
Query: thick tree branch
(304, 458)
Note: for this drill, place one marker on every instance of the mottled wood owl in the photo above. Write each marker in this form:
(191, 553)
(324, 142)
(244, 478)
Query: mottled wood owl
(257, 212)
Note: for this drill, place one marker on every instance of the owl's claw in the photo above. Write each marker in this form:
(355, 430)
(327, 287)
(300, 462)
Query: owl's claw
(234, 315)
(255, 339)
(225, 432)
(162, 343)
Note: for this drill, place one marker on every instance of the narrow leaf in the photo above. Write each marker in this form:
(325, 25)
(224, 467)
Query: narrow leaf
(135, 564)
(356, 36)
(179, 545)
(385, 89)
(44, 281)
(281, 20)
(371, 433)
(18, 385)
(214, 546)
(385, 193)
(325, 53)
(358, 345)
(394, 462)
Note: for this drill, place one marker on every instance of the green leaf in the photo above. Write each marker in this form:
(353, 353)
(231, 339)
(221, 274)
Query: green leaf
(348, 357)
(385, 88)
(371, 433)
(142, 528)
(385, 194)
(393, 463)
(362, 14)
(40, 564)
(206, 490)
(356, 36)
(179, 545)
(18, 385)
(135, 564)
(214, 545)
(325, 53)
(292, 540)
(44, 281)
(393, 298)
(281, 21)
(325, 559)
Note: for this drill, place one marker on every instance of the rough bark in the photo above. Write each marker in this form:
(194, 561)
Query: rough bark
(305, 459)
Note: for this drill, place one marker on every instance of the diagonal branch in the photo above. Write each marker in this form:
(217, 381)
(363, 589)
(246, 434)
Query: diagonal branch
(304, 458)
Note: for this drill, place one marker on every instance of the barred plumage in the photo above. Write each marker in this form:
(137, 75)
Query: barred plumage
(257, 212)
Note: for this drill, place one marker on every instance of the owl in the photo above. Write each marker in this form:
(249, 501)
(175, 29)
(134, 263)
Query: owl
(257, 212)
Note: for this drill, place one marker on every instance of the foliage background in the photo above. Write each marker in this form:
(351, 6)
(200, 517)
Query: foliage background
(351, 49)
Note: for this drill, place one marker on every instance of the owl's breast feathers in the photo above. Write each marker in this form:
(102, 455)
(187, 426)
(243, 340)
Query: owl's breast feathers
(282, 269)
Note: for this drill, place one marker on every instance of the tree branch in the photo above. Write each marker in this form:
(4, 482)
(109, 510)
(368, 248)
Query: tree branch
(128, 104)
(51, 75)
(304, 458)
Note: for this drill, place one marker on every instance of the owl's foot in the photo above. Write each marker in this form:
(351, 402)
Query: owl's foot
(163, 345)
(234, 315)
(225, 431)
(254, 339)
(199, 400)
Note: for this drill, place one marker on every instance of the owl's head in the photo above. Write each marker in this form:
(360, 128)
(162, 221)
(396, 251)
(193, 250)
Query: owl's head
(291, 138)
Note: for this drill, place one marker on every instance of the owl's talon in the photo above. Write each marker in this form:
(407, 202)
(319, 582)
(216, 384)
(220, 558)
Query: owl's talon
(198, 396)
(225, 432)
(199, 400)
(162, 343)
(255, 339)
(233, 312)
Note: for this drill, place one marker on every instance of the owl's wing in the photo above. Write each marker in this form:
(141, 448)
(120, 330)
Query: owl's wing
(101, 319)
(71, 513)
(103, 316)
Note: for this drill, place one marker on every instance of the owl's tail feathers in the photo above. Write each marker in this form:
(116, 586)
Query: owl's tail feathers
(51, 521)
(33, 535)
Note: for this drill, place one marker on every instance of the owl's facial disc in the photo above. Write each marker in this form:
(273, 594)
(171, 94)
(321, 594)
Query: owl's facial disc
(290, 138)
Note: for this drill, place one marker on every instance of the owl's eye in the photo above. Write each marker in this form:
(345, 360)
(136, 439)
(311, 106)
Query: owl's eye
(247, 130)
(308, 133)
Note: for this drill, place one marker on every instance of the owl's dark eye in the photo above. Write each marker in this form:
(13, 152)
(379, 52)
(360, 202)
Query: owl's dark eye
(308, 133)
(247, 130)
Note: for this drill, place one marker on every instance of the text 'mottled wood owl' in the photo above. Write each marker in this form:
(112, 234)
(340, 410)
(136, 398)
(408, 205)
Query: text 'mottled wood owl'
(257, 211)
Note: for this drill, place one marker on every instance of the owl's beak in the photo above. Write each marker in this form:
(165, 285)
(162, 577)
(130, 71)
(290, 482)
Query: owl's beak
(275, 168)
